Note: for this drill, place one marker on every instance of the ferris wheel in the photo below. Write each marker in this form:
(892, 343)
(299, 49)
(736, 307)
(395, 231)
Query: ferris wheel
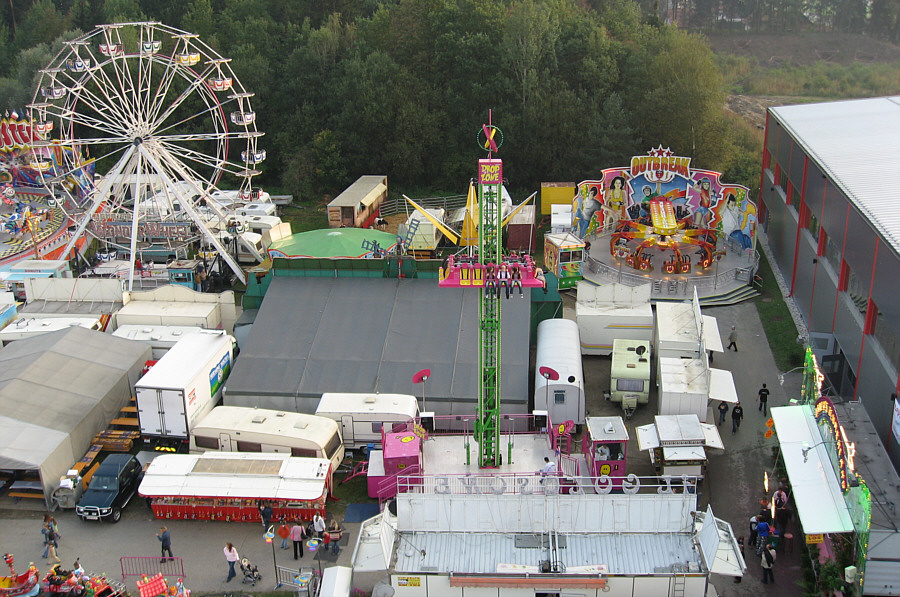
(162, 118)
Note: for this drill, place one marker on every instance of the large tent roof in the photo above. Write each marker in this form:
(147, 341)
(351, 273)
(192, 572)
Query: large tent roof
(332, 243)
(51, 383)
(316, 335)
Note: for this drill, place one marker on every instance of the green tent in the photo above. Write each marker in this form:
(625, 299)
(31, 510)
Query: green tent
(333, 243)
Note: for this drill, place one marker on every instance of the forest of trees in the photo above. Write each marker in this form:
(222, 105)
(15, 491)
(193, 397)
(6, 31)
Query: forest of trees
(400, 87)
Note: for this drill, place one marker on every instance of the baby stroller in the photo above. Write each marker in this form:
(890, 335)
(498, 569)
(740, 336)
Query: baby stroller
(250, 572)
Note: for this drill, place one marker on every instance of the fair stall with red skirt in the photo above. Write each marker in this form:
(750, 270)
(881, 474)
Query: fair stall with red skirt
(231, 486)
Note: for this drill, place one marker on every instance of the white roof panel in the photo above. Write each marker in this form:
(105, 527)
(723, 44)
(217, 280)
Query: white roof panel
(712, 439)
(817, 493)
(679, 429)
(684, 453)
(482, 553)
(647, 437)
(854, 142)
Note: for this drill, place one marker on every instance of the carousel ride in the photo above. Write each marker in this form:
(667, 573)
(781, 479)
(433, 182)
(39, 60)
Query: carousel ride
(660, 232)
(164, 119)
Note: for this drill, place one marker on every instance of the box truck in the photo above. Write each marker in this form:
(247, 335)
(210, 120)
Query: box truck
(183, 386)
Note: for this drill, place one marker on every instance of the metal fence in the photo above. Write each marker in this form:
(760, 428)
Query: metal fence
(397, 204)
(146, 565)
(303, 581)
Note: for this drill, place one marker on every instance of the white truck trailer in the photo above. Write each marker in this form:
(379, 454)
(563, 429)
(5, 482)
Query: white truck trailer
(183, 386)
(612, 312)
(559, 356)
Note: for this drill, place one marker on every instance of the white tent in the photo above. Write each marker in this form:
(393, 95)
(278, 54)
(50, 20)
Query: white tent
(57, 391)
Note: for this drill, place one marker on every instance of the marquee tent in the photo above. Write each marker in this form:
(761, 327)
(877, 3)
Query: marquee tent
(57, 391)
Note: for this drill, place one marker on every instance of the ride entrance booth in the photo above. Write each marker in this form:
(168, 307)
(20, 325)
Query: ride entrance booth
(186, 272)
(563, 256)
(605, 447)
(402, 455)
(230, 486)
(678, 443)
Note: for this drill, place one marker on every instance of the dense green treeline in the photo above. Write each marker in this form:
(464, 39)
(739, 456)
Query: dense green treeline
(400, 87)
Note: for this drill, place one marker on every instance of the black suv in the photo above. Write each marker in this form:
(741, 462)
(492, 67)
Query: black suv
(111, 487)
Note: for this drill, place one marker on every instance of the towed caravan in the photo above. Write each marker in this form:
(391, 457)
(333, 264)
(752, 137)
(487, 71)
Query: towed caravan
(243, 429)
(362, 416)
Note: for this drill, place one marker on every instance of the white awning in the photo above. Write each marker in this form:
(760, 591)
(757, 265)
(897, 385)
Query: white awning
(817, 492)
(712, 439)
(647, 437)
(718, 545)
(721, 386)
(711, 338)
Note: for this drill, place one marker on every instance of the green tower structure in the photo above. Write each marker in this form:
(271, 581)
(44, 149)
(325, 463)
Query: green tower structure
(487, 424)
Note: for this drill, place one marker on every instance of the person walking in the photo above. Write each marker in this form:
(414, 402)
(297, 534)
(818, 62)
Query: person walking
(335, 533)
(51, 546)
(318, 525)
(767, 562)
(723, 410)
(284, 532)
(165, 540)
(763, 398)
(737, 413)
(298, 533)
(762, 533)
(231, 556)
(732, 340)
(752, 540)
(265, 512)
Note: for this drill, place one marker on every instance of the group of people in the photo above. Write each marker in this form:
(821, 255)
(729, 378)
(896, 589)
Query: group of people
(766, 530)
(737, 411)
(503, 277)
(50, 534)
(295, 533)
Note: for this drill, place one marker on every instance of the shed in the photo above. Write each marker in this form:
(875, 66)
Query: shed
(357, 206)
(86, 376)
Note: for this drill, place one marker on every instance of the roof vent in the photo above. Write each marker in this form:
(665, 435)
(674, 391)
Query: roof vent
(258, 419)
(370, 400)
(177, 332)
(301, 425)
(147, 330)
(280, 414)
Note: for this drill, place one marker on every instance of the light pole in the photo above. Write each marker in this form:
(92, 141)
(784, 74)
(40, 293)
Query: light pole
(421, 377)
(549, 375)
(269, 536)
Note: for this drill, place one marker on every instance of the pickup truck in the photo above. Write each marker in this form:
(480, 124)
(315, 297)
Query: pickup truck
(111, 488)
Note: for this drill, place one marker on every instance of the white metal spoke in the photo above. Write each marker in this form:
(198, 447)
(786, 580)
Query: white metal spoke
(194, 86)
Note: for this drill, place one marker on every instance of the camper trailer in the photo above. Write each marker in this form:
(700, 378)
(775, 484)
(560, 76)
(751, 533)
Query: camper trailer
(242, 429)
(362, 416)
(559, 378)
(630, 374)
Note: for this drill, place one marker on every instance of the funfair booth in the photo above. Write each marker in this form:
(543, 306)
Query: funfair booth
(230, 486)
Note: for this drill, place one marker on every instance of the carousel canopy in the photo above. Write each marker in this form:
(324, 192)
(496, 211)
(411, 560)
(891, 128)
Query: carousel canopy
(332, 243)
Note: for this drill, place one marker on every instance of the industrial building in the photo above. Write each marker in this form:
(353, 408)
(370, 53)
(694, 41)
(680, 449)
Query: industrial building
(828, 207)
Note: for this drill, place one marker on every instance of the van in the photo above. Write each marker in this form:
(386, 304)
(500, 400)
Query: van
(362, 416)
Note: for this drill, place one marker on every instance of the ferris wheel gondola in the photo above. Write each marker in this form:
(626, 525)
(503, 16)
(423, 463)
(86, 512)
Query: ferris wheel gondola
(162, 118)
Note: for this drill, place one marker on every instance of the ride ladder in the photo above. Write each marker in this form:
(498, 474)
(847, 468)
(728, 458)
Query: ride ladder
(678, 584)
(411, 229)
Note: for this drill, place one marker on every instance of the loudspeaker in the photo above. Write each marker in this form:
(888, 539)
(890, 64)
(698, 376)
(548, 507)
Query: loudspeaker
(427, 421)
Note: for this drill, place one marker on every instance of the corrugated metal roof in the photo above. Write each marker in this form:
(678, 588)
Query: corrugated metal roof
(623, 553)
(857, 144)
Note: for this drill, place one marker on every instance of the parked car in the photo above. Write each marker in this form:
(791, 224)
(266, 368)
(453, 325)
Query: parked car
(111, 488)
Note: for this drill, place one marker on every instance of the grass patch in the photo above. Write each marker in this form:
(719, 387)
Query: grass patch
(305, 217)
(354, 491)
(777, 321)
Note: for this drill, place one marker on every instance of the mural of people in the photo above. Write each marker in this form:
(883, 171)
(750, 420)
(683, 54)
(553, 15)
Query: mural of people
(590, 205)
(738, 220)
(616, 196)
(703, 211)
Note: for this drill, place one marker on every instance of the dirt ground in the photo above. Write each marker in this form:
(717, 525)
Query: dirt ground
(795, 50)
